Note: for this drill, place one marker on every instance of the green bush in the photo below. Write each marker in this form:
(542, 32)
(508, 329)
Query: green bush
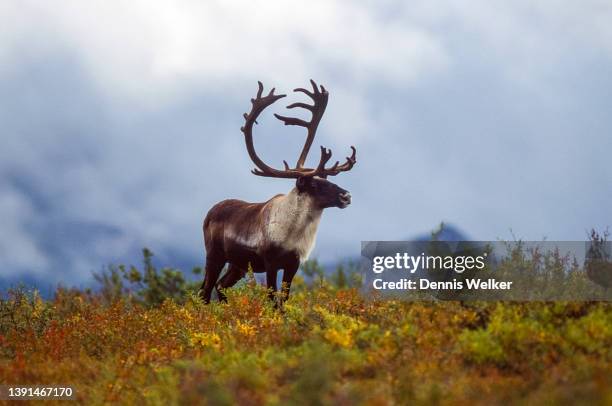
(150, 286)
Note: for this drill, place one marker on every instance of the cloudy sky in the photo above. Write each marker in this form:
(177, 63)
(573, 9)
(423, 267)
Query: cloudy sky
(120, 121)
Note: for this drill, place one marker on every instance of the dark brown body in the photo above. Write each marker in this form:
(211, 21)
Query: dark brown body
(233, 233)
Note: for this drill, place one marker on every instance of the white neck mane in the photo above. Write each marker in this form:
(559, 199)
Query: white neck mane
(293, 222)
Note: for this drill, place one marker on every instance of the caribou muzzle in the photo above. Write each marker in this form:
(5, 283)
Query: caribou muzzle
(345, 200)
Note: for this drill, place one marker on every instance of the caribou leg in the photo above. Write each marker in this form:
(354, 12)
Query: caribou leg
(288, 274)
(214, 267)
(271, 274)
(233, 275)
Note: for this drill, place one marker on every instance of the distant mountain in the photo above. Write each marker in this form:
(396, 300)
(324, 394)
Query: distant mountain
(448, 232)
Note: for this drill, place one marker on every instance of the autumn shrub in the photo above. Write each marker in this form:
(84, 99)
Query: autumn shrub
(329, 344)
(149, 286)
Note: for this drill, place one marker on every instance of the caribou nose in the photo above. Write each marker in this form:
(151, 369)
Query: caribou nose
(345, 199)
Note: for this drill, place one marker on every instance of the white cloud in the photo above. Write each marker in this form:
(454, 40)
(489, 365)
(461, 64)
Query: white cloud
(17, 249)
(147, 48)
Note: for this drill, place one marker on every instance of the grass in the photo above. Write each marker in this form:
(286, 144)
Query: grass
(330, 345)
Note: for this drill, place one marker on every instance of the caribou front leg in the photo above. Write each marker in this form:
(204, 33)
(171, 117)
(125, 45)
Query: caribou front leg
(271, 276)
(288, 273)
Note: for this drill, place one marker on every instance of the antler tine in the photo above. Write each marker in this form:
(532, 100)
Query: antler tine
(292, 120)
(315, 90)
(259, 103)
(319, 97)
(336, 168)
(302, 105)
(326, 154)
(350, 161)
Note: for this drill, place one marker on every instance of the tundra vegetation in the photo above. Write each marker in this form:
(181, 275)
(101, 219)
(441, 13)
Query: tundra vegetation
(145, 337)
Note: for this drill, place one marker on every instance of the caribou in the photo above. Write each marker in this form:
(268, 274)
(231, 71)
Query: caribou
(279, 233)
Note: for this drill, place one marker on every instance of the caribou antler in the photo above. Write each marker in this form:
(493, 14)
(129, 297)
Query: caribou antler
(320, 97)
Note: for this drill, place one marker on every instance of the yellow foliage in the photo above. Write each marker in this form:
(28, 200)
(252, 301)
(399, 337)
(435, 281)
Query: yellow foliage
(245, 329)
(211, 340)
(341, 337)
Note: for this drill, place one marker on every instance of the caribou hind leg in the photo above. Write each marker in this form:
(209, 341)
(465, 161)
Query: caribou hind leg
(233, 275)
(214, 266)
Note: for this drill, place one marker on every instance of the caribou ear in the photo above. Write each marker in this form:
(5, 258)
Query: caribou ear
(303, 182)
